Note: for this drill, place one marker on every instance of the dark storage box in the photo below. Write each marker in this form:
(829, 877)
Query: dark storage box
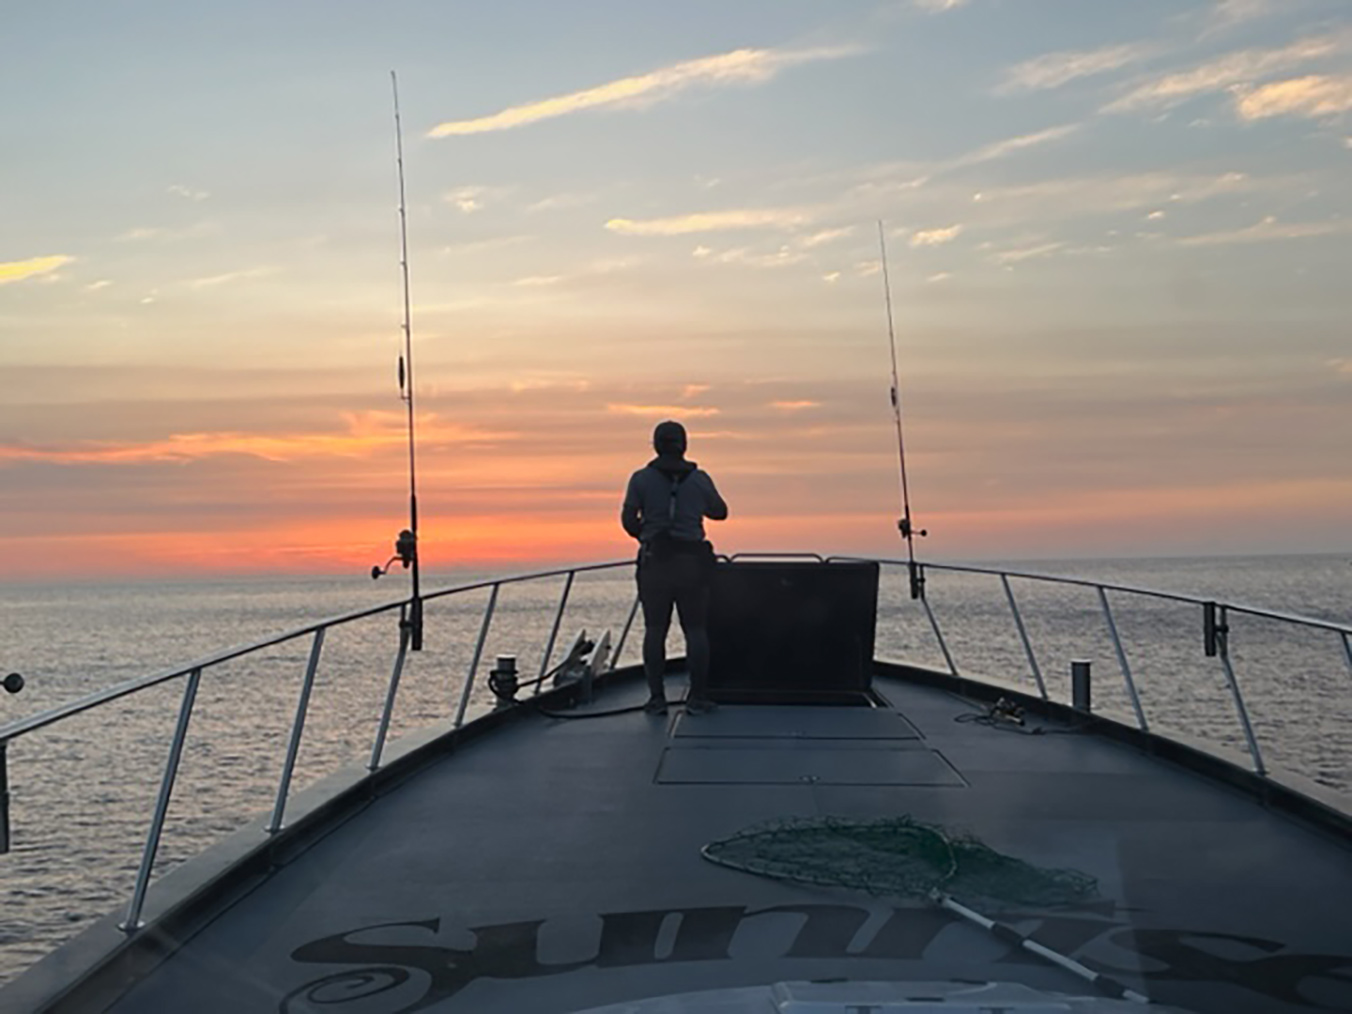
(792, 630)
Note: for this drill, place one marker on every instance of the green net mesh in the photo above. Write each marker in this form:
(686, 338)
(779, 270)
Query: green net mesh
(895, 856)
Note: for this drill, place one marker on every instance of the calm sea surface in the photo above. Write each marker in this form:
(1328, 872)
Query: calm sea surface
(82, 791)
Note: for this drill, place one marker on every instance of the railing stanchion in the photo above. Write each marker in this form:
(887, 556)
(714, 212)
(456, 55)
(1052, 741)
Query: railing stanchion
(1122, 660)
(297, 728)
(943, 645)
(1223, 650)
(628, 625)
(133, 921)
(1023, 636)
(554, 630)
(405, 630)
(1347, 652)
(478, 653)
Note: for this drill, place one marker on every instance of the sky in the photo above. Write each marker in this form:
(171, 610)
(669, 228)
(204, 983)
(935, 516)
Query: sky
(1117, 237)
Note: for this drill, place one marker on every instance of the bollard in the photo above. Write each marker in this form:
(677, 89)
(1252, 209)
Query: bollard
(504, 681)
(1080, 685)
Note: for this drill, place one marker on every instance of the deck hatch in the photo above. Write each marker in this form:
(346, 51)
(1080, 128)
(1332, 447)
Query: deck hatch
(796, 723)
(804, 765)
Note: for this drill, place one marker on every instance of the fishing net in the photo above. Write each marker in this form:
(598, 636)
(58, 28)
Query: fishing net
(894, 856)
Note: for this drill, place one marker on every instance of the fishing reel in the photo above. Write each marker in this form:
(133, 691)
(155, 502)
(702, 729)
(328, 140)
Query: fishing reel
(904, 526)
(405, 552)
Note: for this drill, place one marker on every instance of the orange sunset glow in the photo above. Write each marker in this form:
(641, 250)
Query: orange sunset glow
(1117, 250)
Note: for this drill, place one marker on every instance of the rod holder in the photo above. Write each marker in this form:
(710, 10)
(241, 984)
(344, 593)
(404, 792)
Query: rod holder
(1215, 627)
(1081, 685)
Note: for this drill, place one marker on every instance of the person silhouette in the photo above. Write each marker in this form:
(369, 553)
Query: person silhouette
(665, 505)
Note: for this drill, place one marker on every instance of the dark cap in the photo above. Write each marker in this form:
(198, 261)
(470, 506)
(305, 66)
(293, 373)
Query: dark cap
(669, 438)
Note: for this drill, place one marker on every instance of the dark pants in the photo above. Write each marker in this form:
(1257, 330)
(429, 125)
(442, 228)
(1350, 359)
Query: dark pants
(681, 580)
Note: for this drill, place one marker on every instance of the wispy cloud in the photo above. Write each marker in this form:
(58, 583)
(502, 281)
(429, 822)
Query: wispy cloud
(712, 221)
(17, 271)
(213, 281)
(1001, 149)
(188, 193)
(795, 406)
(739, 67)
(467, 199)
(367, 432)
(1269, 230)
(936, 237)
(817, 239)
(939, 6)
(1028, 253)
(1072, 197)
(1313, 97)
(661, 411)
(559, 202)
(780, 257)
(147, 232)
(1056, 69)
(1227, 13)
(1239, 69)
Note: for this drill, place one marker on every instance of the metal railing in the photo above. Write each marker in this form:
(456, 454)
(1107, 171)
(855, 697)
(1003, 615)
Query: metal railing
(1217, 643)
(1215, 630)
(192, 673)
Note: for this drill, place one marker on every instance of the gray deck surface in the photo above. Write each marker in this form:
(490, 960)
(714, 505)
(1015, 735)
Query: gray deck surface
(554, 865)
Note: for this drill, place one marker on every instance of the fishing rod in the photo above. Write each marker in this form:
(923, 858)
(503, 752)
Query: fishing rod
(905, 526)
(406, 546)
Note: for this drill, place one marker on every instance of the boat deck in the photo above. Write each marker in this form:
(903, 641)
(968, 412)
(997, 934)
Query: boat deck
(555, 865)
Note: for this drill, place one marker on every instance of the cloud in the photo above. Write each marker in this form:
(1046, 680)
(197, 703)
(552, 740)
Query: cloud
(831, 277)
(367, 432)
(144, 232)
(188, 193)
(794, 406)
(939, 6)
(936, 237)
(212, 281)
(1269, 229)
(1069, 197)
(559, 202)
(739, 67)
(693, 390)
(1233, 12)
(782, 257)
(1240, 68)
(1312, 97)
(712, 221)
(102, 283)
(467, 199)
(662, 411)
(1000, 149)
(1053, 70)
(825, 236)
(17, 271)
(1018, 256)
(942, 276)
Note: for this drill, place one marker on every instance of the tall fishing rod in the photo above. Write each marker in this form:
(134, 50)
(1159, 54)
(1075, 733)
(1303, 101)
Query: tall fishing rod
(905, 526)
(406, 546)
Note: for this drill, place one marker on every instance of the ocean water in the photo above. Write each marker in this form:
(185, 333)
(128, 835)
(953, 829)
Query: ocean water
(82, 791)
